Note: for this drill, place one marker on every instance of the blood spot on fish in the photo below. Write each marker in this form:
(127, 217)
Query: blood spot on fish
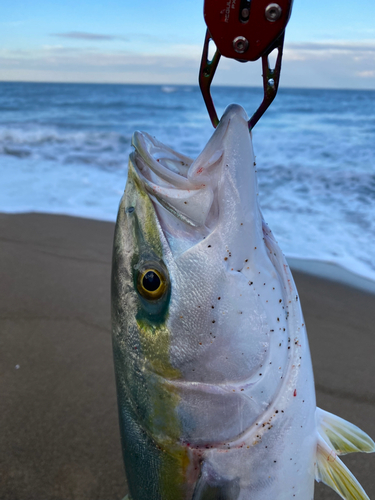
(250, 283)
(225, 258)
(246, 260)
(213, 321)
(209, 246)
(295, 393)
(280, 300)
(218, 298)
(255, 248)
(200, 343)
(185, 202)
(212, 307)
(200, 170)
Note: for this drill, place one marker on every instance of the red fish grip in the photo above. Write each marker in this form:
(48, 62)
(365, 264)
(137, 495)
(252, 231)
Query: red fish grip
(244, 30)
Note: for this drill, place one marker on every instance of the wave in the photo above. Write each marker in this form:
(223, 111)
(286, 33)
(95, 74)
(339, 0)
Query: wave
(103, 149)
(168, 89)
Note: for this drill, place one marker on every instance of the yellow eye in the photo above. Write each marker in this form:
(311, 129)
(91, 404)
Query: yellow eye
(151, 284)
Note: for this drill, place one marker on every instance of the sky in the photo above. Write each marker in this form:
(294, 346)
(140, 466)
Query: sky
(329, 43)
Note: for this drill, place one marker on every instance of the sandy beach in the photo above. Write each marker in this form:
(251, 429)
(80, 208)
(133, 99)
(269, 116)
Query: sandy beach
(59, 436)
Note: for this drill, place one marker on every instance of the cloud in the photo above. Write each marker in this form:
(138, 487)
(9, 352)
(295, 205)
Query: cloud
(367, 74)
(315, 65)
(324, 51)
(336, 46)
(81, 35)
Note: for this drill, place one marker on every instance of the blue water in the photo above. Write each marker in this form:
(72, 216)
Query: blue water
(64, 149)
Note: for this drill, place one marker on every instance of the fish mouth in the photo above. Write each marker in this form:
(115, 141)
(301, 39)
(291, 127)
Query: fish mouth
(191, 196)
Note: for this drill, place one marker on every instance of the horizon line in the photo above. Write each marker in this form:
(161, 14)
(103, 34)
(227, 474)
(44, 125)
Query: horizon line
(168, 84)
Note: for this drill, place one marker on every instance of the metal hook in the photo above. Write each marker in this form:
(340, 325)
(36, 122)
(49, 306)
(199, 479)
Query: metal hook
(270, 76)
(206, 74)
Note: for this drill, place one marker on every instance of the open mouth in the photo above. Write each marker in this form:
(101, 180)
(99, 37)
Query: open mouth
(164, 173)
(192, 197)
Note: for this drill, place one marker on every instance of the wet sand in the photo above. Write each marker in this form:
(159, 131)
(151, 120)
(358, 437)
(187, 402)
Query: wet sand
(59, 437)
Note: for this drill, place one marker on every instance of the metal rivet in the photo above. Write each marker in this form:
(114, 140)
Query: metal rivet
(240, 44)
(245, 13)
(271, 82)
(273, 12)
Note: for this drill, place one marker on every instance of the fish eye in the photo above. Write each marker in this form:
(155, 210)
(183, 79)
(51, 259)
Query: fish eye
(151, 283)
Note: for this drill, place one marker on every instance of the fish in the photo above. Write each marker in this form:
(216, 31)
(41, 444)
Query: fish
(213, 370)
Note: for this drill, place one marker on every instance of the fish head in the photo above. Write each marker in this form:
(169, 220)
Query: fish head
(199, 302)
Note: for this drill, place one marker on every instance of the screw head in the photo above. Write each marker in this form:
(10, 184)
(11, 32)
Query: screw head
(245, 13)
(273, 12)
(240, 44)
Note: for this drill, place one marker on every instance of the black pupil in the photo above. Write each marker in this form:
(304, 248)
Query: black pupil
(151, 281)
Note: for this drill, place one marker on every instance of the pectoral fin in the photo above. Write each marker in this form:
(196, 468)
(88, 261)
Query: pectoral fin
(343, 436)
(338, 437)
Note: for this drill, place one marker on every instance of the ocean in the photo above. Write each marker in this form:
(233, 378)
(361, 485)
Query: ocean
(64, 149)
